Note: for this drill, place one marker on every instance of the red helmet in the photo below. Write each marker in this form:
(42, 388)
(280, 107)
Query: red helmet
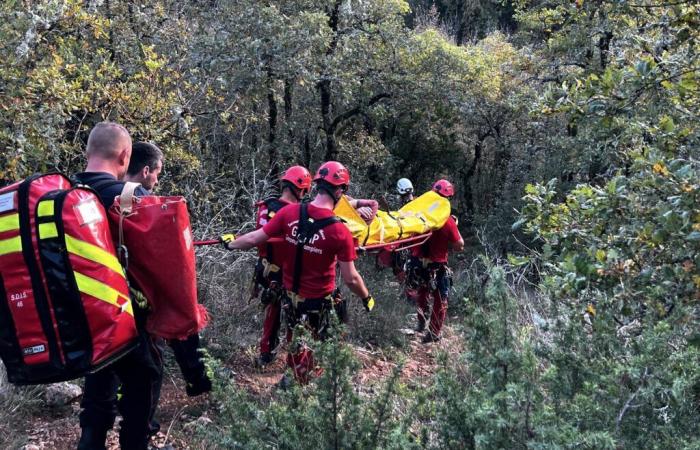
(334, 173)
(298, 176)
(444, 188)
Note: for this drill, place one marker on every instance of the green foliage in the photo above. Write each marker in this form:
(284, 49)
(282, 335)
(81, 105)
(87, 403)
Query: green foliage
(624, 74)
(635, 238)
(496, 401)
(330, 413)
(467, 20)
(628, 248)
(62, 72)
(614, 357)
(620, 255)
(232, 84)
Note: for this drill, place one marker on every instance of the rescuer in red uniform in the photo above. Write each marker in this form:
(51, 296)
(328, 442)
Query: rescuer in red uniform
(313, 241)
(295, 182)
(429, 274)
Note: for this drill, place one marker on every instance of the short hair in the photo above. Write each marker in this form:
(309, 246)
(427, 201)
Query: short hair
(144, 154)
(105, 140)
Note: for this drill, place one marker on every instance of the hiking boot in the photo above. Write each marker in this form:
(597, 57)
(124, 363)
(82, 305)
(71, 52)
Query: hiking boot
(153, 427)
(420, 327)
(198, 387)
(92, 439)
(264, 359)
(430, 337)
(284, 383)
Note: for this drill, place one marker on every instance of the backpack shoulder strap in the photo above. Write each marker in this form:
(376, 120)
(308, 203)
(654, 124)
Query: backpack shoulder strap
(317, 225)
(306, 229)
(301, 240)
(273, 205)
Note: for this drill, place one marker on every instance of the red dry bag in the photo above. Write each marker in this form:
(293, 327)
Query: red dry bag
(64, 301)
(156, 233)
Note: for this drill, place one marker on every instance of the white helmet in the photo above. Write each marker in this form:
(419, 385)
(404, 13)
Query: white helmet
(404, 186)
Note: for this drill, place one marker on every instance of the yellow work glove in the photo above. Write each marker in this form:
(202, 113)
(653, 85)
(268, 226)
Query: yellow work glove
(368, 303)
(590, 309)
(226, 239)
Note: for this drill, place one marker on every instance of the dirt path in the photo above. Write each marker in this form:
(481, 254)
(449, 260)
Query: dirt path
(49, 429)
(58, 428)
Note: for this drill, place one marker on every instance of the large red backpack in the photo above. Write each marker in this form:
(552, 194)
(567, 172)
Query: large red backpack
(156, 233)
(64, 300)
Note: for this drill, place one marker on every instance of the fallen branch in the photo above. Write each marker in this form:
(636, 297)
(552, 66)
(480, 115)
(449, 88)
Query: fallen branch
(628, 404)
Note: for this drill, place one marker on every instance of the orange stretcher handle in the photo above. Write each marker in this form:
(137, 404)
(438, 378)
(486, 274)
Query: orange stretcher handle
(207, 242)
(395, 246)
(216, 241)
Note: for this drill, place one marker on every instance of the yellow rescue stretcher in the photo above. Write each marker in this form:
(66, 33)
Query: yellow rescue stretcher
(408, 227)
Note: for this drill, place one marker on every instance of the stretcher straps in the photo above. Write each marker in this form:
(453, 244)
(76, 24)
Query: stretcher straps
(412, 241)
(398, 221)
(366, 236)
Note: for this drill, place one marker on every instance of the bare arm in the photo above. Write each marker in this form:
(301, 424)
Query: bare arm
(352, 279)
(366, 208)
(249, 240)
(457, 246)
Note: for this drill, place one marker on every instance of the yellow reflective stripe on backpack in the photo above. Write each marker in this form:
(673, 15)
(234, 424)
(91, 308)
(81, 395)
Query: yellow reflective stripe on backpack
(103, 292)
(12, 245)
(45, 208)
(9, 223)
(47, 230)
(93, 253)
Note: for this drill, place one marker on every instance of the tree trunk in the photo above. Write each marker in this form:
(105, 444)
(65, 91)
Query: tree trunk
(459, 13)
(467, 179)
(324, 87)
(112, 50)
(331, 145)
(288, 91)
(306, 155)
(604, 48)
(288, 109)
(272, 123)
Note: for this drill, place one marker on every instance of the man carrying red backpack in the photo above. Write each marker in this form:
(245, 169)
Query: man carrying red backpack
(313, 241)
(145, 166)
(428, 271)
(108, 154)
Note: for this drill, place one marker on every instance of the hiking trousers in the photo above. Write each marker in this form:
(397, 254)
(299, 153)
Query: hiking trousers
(126, 386)
(315, 315)
(434, 280)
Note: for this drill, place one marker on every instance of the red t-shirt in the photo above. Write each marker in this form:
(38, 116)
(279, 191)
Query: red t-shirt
(262, 218)
(437, 246)
(332, 243)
